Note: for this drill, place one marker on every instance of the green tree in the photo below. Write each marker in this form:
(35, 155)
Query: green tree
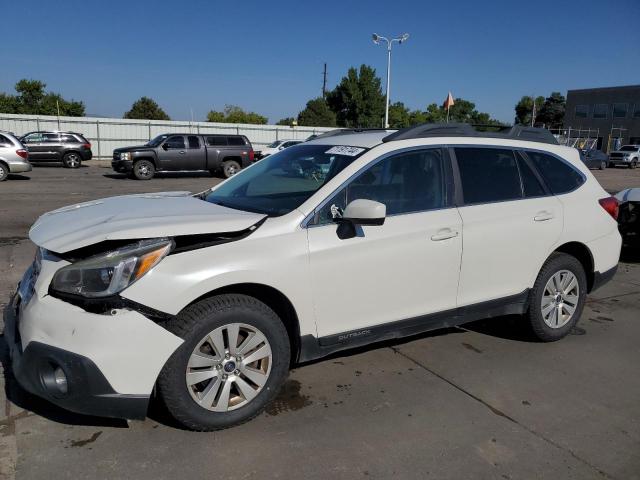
(524, 109)
(287, 121)
(462, 111)
(552, 111)
(357, 100)
(32, 99)
(146, 109)
(317, 114)
(399, 116)
(235, 114)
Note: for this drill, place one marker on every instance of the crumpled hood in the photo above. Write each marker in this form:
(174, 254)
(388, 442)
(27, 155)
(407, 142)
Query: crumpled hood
(164, 214)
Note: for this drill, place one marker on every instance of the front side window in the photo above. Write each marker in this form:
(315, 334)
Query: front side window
(33, 138)
(407, 182)
(175, 142)
(600, 110)
(559, 176)
(488, 175)
(275, 144)
(282, 182)
(157, 141)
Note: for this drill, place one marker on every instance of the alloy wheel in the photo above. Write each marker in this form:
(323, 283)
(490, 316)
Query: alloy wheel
(560, 299)
(73, 160)
(229, 367)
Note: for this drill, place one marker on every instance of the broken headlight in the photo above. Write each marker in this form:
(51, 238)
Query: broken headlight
(109, 273)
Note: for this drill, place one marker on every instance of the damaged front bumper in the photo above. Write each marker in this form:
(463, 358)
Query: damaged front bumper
(108, 363)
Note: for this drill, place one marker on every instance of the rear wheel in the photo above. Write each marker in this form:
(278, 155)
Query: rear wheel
(557, 298)
(233, 361)
(4, 172)
(144, 170)
(230, 168)
(72, 160)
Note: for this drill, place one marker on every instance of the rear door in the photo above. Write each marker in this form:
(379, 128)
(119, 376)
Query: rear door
(172, 153)
(510, 223)
(196, 156)
(215, 146)
(403, 269)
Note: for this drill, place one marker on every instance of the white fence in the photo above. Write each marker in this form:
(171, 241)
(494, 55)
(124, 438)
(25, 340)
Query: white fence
(105, 134)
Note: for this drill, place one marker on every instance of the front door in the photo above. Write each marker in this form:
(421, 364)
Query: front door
(172, 153)
(403, 269)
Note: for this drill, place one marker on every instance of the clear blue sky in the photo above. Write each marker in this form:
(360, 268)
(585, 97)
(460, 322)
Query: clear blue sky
(267, 56)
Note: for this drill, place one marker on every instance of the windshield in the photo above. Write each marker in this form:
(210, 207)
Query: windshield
(157, 141)
(628, 148)
(274, 144)
(284, 181)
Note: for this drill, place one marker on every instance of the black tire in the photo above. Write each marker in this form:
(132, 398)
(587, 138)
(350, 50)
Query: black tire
(144, 170)
(72, 160)
(611, 165)
(4, 172)
(214, 172)
(230, 168)
(556, 263)
(603, 165)
(193, 324)
(633, 164)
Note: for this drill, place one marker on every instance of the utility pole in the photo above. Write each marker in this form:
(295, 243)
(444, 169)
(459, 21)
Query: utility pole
(324, 81)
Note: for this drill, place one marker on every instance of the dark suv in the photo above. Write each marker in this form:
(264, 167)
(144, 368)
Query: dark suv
(172, 152)
(70, 148)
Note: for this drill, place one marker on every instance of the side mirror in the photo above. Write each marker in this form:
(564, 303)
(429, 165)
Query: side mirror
(360, 212)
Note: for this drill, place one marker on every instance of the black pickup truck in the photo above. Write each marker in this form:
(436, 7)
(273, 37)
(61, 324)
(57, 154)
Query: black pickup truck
(179, 152)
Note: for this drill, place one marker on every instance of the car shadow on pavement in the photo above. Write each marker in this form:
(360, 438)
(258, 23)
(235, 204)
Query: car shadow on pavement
(15, 176)
(25, 400)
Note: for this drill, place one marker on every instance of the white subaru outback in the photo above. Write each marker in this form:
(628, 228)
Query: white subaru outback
(354, 237)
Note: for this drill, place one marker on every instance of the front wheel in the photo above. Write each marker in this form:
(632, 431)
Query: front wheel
(234, 359)
(230, 168)
(4, 172)
(603, 165)
(633, 164)
(143, 170)
(72, 160)
(557, 298)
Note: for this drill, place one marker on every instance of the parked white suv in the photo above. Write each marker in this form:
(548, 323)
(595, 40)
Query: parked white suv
(277, 146)
(210, 298)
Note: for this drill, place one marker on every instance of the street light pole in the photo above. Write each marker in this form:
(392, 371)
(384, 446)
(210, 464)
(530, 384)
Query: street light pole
(377, 39)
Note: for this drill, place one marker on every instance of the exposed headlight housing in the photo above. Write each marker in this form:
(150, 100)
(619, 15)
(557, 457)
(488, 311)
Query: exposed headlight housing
(109, 273)
(125, 156)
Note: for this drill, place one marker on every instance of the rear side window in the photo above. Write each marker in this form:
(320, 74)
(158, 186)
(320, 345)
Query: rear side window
(488, 175)
(559, 176)
(530, 183)
(5, 142)
(194, 142)
(68, 139)
(217, 140)
(236, 141)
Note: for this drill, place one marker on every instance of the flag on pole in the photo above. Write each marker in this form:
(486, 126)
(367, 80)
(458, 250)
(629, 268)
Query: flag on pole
(448, 103)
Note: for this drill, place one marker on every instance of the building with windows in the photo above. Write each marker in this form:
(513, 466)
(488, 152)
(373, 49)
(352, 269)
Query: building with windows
(610, 115)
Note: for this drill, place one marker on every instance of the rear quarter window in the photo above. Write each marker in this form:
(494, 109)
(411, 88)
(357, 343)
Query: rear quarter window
(559, 175)
(5, 142)
(236, 141)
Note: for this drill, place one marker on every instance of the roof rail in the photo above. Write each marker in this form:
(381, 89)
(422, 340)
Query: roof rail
(515, 132)
(348, 131)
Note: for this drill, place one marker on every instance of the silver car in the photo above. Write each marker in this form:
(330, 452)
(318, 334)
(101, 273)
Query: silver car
(14, 158)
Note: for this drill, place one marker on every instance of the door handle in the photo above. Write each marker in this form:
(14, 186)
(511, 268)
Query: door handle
(444, 234)
(543, 216)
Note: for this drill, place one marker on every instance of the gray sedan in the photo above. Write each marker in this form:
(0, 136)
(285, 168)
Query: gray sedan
(14, 158)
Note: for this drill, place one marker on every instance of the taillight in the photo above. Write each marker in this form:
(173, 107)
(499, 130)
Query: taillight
(611, 205)
(87, 145)
(251, 155)
(22, 153)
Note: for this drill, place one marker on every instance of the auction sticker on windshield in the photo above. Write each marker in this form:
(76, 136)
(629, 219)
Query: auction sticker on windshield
(345, 150)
